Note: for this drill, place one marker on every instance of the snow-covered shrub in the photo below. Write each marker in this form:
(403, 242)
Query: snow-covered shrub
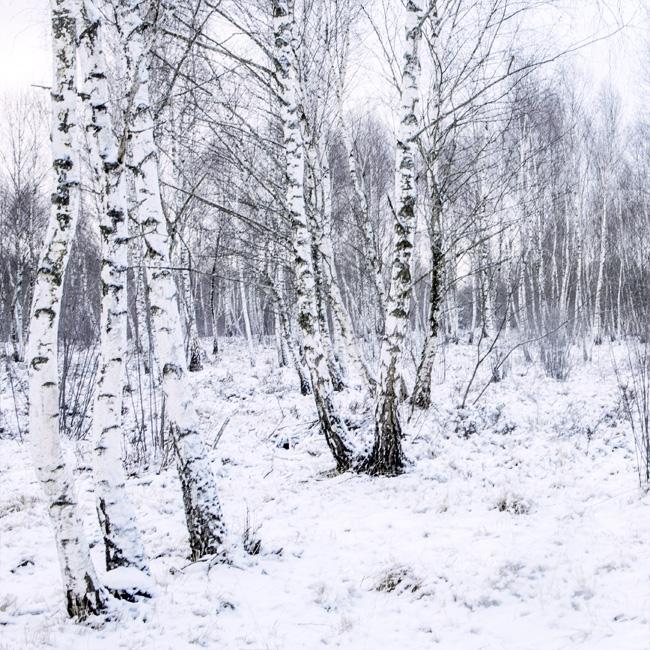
(581, 419)
(634, 387)
(399, 578)
(514, 504)
(481, 419)
(250, 539)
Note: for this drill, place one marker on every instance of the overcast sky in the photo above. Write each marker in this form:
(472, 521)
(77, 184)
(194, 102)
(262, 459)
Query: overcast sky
(24, 53)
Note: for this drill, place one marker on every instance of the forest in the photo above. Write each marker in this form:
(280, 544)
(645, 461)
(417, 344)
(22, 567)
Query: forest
(325, 323)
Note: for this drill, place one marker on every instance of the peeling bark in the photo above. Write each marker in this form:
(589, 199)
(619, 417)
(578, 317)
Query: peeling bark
(202, 507)
(387, 457)
(84, 594)
(116, 515)
(332, 425)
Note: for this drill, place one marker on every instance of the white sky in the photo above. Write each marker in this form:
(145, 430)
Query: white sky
(24, 53)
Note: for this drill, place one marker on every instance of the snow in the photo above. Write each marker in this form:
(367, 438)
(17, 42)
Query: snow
(530, 533)
(128, 579)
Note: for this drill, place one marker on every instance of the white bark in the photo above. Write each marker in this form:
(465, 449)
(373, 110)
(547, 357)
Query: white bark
(17, 338)
(361, 207)
(386, 456)
(116, 516)
(332, 424)
(202, 507)
(282, 314)
(597, 320)
(341, 318)
(421, 396)
(247, 320)
(194, 361)
(84, 594)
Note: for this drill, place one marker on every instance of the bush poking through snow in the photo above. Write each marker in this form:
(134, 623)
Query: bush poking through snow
(635, 399)
(399, 579)
(482, 419)
(250, 539)
(514, 504)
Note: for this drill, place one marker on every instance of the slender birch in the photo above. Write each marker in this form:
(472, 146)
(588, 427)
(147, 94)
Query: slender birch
(597, 316)
(332, 425)
(387, 456)
(247, 320)
(340, 316)
(421, 396)
(194, 361)
(84, 594)
(116, 516)
(360, 205)
(16, 310)
(202, 508)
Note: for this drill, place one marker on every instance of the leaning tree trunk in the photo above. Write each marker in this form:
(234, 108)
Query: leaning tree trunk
(84, 594)
(421, 396)
(597, 318)
(332, 425)
(245, 313)
(282, 313)
(336, 372)
(194, 361)
(116, 516)
(214, 300)
(386, 456)
(16, 311)
(340, 316)
(360, 205)
(202, 508)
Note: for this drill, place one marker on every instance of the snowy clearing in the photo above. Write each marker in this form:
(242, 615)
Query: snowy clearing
(531, 533)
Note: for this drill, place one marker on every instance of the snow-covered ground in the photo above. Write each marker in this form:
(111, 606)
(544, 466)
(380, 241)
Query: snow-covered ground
(530, 533)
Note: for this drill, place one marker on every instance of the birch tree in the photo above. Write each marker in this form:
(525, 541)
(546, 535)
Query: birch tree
(116, 516)
(84, 594)
(331, 423)
(202, 507)
(387, 456)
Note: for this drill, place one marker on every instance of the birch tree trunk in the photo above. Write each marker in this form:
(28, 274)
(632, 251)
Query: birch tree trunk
(195, 364)
(17, 327)
(421, 396)
(214, 300)
(143, 339)
(247, 320)
(84, 594)
(282, 313)
(597, 320)
(360, 205)
(474, 292)
(332, 425)
(116, 516)
(340, 316)
(202, 508)
(387, 456)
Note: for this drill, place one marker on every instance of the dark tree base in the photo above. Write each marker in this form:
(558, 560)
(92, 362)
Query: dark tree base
(305, 387)
(195, 364)
(332, 429)
(421, 399)
(386, 457)
(382, 467)
(93, 602)
(204, 521)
